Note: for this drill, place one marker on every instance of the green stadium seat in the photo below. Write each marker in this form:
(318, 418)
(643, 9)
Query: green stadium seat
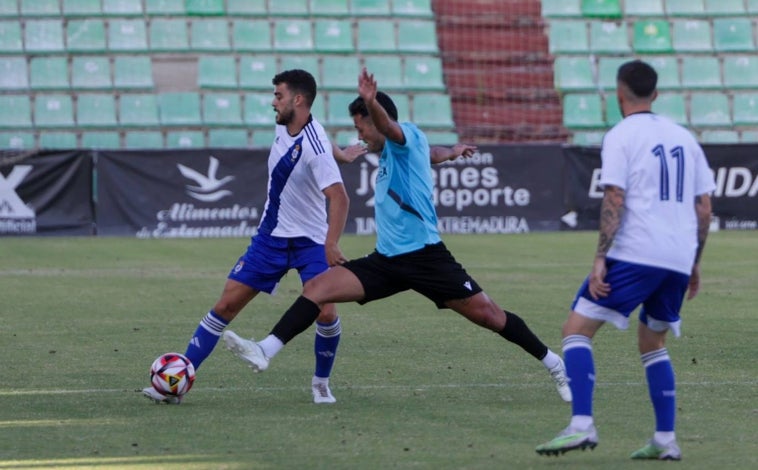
(671, 105)
(222, 109)
(644, 8)
(101, 140)
(568, 37)
(667, 68)
(251, 35)
(733, 35)
(9, 8)
(607, 69)
(185, 139)
(412, 8)
(432, 110)
(217, 72)
(582, 111)
(741, 71)
(132, 72)
(376, 36)
(725, 7)
(709, 109)
(749, 137)
(305, 62)
(127, 35)
(165, 7)
(13, 73)
(210, 35)
(612, 110)
(96, 110)
(236, 8)
(417, 36)
(228, 138)
(91, 72)
(16, 140)
(53, 111)
(48, 73)
(39, 8)
(297, 8)
(334, 8)
(263, 138)
(318, 110)
(58, 140)
(752, 6)
(336, 109)
(205, 7)
(701, 72)
(387, 69)
(257, 110)
(652, 37)
(608, 37)
(138, 110)
(256, 71)
(87, 35)
(561, 8)
(685, 7)
(691, 36)
(340, 72)
(720, 136)
(746, 109)
(15, 111)
(43, 36)
(442, 138)
(588, 138)
(86, 8)
(122, 7)
(179, 109)
(363, 8)
(423, 72)
(293, 35)
(573, 73)
(334, 36)
(168, 35)
(143, 140)
(601, 8)
(10, 37)
(343, 138)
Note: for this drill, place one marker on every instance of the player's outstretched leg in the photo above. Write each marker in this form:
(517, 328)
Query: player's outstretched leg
(325, 349)
(247, 350)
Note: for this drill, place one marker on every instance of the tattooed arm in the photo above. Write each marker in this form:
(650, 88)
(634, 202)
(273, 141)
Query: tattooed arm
(611, 212)
(703, 210)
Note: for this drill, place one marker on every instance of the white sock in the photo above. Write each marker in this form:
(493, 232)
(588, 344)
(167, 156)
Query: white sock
(664, 438)
(581, 422)
(320, 380)
(271, 345)
(551, 359)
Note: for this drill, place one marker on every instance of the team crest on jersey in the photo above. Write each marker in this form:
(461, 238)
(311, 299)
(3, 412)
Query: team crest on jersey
(295, 152)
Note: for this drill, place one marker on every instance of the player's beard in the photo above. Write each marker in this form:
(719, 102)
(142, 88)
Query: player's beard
(285, 116)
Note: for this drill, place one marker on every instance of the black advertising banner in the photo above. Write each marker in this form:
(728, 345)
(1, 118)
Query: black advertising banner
(502, 189)
(181, 193)
(48, 193)
(735, 201)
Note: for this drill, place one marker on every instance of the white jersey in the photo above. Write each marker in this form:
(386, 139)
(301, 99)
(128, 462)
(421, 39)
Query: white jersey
(662, 169)
(300, 167)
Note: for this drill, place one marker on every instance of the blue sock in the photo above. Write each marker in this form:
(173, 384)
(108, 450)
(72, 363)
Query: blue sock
(205, 338)
(662, 387)
(580, 368)
(325, 347)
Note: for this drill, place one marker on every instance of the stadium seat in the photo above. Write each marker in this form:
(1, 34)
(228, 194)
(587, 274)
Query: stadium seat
(652, 36)
(293, 35)
(588, 138)
(58, 140)
(752, 6)
(612, 110)
(413, 8)
(733, 35)
(210, 35)
(691, 36)
(16, 140)
(138, 110)
(53, 111)
(305, 62)
(9, 8)
(340, 72)
(85, 35)
(423, 72)
(15, 111)
(251, 35)
(725, 7)
(432, 110)
(746, 109)
(43, 36)
(132, 72)
(217, 72)
(179, 109)
(685, 7)
(608, 37)
(582, 111)
(297, 8)
(667, 67)
(709, 109)
(607, 69)
(442, 137)
(749, 137)
(363, 8)
(96, 110)
(387, 69)
(568, 37)
(332, 8)
(48, 73)
(334, 36)
(228, 138)
(318, 110)
(719, 136)
(236, 8)
(256, 71)
(701, 72)
(417, 36)
(13, 73)
(122, 7)
(93, 72)
(573, 73)
(222, 109)
(86, 8)
(39, 8)
(671, 105)
(561, 8)
(168, 35)
(644, 8)
(10, 37)
(402, 103)
(336, 109)
(185, 139)
(143, 140)
(343, 138)
(741, 71)
(257, 110)
(376, 36)
(127, 35)
(166, 7)
(601, 8)
(101, 140)
(263, 138)
(205, 7)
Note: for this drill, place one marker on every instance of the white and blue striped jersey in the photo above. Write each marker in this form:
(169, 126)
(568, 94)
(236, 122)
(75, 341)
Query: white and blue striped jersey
(300, 167)
(662, 168)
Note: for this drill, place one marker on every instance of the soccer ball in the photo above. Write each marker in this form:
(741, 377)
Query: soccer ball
(172, 374)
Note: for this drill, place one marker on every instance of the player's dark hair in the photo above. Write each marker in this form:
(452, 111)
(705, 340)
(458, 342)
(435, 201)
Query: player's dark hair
(299, 82)
(640, 77)
(358, 106)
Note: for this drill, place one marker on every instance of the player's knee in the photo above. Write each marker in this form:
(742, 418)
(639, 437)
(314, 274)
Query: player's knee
(328, 314)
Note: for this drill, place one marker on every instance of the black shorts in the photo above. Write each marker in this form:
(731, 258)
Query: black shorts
(431, 271)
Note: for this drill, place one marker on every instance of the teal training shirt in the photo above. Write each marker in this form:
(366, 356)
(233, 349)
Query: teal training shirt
(403, 205)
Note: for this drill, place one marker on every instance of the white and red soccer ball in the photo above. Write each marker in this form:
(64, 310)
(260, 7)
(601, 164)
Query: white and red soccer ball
(172, 374)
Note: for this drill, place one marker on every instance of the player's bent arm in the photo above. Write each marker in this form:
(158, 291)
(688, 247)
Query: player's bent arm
(349, 153)
(339, 203)
(611, 211)
(703, 211)
(441, 154)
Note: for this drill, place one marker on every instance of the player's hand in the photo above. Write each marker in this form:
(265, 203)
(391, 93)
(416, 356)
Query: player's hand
(694, 286)
(351, 152)
(463, 150)
(597, 285)
(334, 255)
(366, 85)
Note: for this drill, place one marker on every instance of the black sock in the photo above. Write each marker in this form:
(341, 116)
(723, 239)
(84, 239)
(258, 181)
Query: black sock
(518, 333)
(297, 319)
